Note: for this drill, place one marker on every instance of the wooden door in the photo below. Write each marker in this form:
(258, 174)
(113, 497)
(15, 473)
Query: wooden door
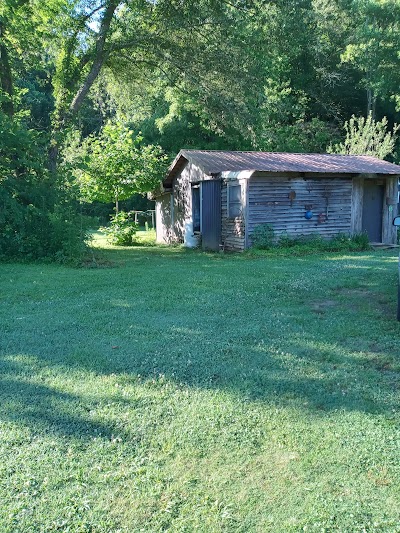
(373, 209)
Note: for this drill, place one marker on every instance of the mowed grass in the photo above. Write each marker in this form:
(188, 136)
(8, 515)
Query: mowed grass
(183, 391)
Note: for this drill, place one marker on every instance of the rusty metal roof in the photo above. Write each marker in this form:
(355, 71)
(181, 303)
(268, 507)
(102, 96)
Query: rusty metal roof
(214, 162)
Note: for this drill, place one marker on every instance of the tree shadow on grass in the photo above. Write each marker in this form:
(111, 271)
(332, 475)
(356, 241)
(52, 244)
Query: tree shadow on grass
(202, 334)
(300, 376)
(45, 409)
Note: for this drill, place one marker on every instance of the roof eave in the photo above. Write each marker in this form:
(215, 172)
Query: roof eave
(373, 175)
(174, 168)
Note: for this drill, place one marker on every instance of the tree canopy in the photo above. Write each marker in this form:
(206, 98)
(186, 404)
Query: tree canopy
(116, 165)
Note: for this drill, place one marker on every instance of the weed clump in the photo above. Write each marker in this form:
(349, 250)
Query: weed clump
(263, 238)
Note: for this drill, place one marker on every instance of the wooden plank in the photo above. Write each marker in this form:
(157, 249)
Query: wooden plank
(389, 232)
(245, 188)
(164, 219)
(270, 203)
(232, 231)
(301, 175)
(357, 205)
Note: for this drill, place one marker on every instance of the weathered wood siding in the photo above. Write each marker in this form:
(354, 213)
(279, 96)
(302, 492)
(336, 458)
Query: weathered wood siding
(182, 200)
(174, 210)
(328, 198)
(164, 219)
(232, 229)
(357, 197)
(390, 207)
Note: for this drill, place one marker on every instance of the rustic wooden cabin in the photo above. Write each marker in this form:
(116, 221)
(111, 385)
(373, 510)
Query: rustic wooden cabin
(217, 198)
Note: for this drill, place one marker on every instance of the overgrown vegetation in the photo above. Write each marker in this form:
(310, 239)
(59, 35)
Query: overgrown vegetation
(264, 238)
(246, 394)
(38, 216)
(122, 229)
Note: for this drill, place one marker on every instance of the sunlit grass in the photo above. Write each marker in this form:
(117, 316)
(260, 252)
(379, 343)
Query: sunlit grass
(142, 238)
(183, 391)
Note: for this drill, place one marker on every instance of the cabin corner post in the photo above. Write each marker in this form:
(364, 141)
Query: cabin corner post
(357, 198)
(389, 211)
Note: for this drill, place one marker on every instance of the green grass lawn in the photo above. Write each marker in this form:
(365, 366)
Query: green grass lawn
(183, 391)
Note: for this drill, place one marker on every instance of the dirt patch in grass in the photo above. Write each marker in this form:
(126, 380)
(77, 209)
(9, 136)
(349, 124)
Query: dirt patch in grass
(384, 365)
(322, 306)
(359, 292)
(375, 348)
(387, 308)
(361, 297)
(355, 298)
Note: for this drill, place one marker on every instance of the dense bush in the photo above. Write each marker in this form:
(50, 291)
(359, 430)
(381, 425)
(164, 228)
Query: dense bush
(38, 219)
(358, 243)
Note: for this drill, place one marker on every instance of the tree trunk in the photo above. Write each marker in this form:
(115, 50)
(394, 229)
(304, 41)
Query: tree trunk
(6, 81)
(371, 103)
(98, 58)
(53, 157)
(98, 61)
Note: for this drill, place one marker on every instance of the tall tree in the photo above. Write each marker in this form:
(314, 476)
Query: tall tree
(373, 48)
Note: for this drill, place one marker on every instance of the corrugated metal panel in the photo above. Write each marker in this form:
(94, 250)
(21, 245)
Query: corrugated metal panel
(213, 162)
(211, 215)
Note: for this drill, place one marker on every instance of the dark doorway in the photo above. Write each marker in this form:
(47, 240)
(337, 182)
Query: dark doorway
(372, 209)
(211, 214)
(196, 207)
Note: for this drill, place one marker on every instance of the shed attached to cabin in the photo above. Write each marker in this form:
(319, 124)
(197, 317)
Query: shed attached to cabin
(217, 198)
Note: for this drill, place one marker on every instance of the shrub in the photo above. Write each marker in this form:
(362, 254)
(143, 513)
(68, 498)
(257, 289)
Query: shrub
(122, 229)
(342, 242)
(306, 244)
(361, 240)
(31, 232)
(287, 241)
(38, 216)
(263, 237)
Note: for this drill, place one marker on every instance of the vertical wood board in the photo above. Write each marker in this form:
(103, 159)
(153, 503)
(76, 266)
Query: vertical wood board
(390, 208)
(232, 229)
(357, 205)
